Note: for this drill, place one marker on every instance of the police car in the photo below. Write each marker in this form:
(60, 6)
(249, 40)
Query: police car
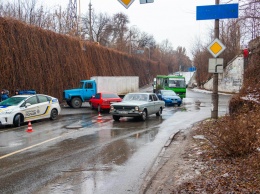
(23, 108)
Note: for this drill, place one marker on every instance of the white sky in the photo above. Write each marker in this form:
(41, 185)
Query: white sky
(174, 20)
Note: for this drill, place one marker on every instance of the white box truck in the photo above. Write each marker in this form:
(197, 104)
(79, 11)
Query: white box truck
(120, 85)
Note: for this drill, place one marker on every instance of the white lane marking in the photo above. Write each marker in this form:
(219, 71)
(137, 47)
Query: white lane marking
(27, 148)
(4, 130)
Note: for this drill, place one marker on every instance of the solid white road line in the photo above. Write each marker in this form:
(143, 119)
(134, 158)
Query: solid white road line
(27, 148)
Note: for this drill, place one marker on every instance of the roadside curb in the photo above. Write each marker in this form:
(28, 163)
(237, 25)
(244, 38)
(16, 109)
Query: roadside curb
(171, 139)
(157, 165)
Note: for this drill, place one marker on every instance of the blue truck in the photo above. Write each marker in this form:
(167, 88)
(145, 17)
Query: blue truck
(120, 85)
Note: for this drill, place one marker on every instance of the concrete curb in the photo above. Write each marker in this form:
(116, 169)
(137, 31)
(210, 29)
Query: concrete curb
(171, 139)
(157, 165)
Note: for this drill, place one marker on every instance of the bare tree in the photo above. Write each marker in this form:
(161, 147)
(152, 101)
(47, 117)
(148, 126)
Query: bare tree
(119, 26)
(249, 19)
(99, 27)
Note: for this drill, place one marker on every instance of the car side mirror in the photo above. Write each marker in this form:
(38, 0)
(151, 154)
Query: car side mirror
(27, 104)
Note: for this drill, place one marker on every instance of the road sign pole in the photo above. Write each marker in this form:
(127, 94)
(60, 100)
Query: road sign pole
(215, 97)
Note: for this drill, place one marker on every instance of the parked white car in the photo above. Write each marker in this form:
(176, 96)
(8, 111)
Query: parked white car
(23, 108)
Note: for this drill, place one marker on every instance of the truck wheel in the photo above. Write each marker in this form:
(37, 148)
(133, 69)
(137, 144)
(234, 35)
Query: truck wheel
(116, 118)
(54, 114)
(17, 120)
(76, 102)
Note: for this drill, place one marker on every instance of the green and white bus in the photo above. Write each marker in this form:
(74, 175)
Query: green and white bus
(171, 82)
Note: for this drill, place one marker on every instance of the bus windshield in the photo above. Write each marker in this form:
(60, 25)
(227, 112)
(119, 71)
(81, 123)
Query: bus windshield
(171, 82)
(177, 82)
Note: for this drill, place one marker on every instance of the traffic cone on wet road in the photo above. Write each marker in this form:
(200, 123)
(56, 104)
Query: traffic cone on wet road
(29, 129)
(99, 116)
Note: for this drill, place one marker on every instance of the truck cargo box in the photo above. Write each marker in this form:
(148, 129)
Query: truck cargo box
(117, 84)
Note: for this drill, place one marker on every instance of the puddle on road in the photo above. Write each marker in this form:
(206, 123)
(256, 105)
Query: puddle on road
(97, 167)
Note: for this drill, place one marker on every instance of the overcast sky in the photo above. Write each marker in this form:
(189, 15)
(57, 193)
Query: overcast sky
(174, 20)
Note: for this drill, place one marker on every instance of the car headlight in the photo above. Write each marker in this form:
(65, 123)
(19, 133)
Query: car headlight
(137, 108)
(6, 112)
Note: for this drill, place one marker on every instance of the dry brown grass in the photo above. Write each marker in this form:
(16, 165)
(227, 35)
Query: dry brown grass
(234, 136)
(230, 156)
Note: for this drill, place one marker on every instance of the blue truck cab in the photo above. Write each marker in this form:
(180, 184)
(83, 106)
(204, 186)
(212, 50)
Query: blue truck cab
(75, 97)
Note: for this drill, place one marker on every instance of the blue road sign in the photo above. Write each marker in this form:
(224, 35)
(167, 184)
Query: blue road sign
(223, 11)
(146, 1)
(191, 69)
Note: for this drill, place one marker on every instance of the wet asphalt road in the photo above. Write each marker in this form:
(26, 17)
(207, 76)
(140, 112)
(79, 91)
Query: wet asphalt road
(86, 153)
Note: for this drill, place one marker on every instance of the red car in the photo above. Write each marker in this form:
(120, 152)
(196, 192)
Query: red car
(102, 100)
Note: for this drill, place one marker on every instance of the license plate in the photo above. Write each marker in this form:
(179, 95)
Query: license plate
(123, 112)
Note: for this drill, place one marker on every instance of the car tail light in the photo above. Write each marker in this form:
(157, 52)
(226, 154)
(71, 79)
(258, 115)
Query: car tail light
(105, 102)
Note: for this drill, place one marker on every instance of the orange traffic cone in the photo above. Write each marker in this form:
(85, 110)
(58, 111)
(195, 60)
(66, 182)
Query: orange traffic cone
(29, 129)
(99, 116)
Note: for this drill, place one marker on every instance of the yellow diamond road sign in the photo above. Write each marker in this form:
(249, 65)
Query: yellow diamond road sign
(126, 3)
(216, 48)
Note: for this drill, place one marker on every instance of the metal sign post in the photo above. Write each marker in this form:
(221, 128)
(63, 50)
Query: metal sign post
(214, 112)
(216, 12)
(215, 67)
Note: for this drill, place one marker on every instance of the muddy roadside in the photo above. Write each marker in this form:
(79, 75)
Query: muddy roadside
(178, 162)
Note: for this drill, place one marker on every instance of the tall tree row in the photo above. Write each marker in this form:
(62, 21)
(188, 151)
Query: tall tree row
(110, 31)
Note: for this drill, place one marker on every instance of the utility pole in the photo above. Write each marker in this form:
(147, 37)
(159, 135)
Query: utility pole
(130, 33)
(90, 25)
(73, 16)
(79, 21)
(215, 97)
(130, 45)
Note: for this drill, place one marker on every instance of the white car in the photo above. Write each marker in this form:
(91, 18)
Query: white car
(23, 108)
(139, 105)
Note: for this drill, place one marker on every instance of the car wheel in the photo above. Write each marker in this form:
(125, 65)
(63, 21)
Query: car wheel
(179, 104)
(76, 102)
(144, 115)
(159, 113)
(116, 118)
(17, 120)
(91, 105)
(54, 114)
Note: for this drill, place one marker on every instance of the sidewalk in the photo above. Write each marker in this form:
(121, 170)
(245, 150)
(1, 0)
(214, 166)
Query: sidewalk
(177, 163)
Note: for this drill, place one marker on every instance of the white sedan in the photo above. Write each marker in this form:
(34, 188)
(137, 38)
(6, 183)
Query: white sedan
(23, 108)
(139, 105)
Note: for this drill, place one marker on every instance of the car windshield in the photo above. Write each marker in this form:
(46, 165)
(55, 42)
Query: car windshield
(13, 101)
(109, 95)
(135, 97)
(168, 93)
